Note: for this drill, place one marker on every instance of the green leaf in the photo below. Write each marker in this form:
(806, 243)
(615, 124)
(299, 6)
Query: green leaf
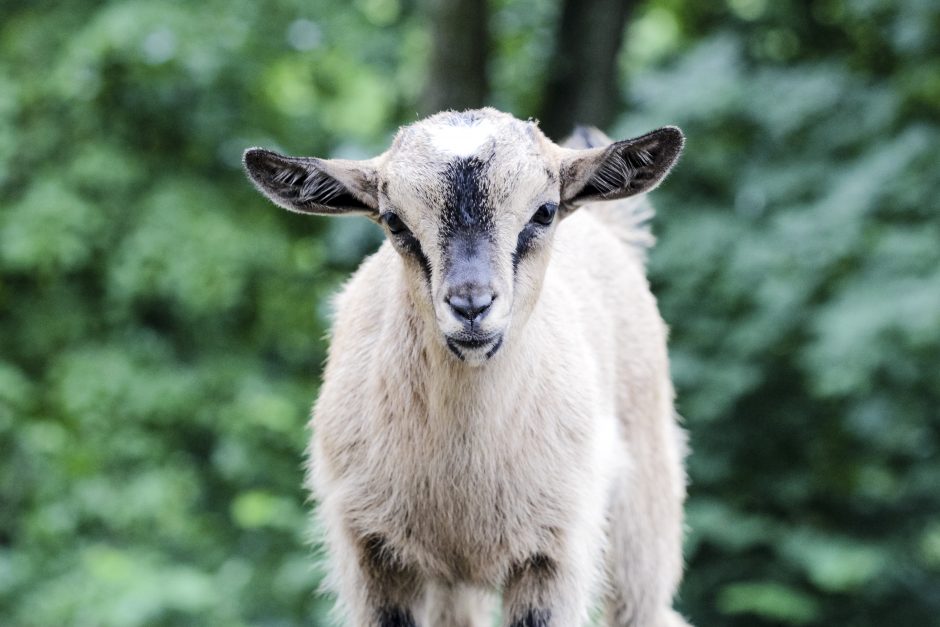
(769, 600)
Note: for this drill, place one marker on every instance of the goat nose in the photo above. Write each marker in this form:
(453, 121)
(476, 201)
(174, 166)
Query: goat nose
(470, 306)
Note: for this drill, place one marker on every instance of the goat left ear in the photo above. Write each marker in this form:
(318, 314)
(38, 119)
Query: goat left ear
(624, 168)
(316, 186)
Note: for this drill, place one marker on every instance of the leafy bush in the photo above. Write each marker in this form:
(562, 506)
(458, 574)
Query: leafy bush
(162, 328)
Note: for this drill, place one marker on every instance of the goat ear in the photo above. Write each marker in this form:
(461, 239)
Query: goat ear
(316, 186)
(624, 168)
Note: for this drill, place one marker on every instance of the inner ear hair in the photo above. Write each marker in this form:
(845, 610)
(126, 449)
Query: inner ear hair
(304, 185)
(629, 167)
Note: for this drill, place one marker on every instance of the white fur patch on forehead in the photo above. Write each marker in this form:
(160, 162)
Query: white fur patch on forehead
(461, 140)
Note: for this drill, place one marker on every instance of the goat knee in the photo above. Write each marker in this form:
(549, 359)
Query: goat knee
(545, 593)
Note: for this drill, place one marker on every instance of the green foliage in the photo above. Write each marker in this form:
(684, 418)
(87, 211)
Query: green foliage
(799, 267)
(162, 327)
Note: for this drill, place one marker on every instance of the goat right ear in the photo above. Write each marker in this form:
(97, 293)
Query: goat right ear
(624, 168)
(315, 186)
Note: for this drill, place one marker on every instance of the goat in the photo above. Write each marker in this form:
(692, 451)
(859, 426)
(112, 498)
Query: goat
(496, 411)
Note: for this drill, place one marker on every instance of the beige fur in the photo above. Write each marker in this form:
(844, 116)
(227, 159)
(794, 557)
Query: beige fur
(551, 471)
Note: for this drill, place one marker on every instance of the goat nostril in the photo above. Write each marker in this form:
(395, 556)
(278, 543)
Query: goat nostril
(470, 307)
(462, 306)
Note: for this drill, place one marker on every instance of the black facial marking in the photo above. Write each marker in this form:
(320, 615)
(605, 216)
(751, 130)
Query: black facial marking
(411, 246)
(453, 348)
(524, 243)
(396, 617)
(466, 207)
(534, 618)
(495, 348)
(466, 231)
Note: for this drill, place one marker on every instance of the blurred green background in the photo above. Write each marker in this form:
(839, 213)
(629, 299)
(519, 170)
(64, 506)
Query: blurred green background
(162, 326)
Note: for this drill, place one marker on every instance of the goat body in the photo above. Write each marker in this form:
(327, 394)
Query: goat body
(549, 467)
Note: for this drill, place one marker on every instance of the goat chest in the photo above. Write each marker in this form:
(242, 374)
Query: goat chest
(463, 489)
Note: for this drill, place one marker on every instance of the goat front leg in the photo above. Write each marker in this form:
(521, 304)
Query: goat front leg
(544, 592)
(374, 587)
(457, 605)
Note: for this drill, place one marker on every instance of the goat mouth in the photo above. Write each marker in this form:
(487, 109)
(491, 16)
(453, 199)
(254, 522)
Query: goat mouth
(460, 346)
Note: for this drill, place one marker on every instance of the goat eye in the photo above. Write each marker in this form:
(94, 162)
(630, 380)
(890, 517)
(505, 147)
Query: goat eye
(545, 214)
(394, 223)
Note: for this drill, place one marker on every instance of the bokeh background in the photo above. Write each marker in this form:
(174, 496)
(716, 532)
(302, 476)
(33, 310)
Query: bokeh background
(162, 326)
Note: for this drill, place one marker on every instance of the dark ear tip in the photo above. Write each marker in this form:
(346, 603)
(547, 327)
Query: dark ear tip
(673, 135)
(254, 157)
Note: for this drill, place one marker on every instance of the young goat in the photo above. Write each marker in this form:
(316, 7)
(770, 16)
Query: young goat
(496, 411)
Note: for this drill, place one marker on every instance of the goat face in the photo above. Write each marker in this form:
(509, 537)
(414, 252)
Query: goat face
(471, 201)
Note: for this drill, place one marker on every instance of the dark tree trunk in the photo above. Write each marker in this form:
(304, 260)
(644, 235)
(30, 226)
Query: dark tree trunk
(457, 73)
(582, 78)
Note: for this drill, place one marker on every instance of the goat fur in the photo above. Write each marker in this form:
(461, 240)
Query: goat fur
(552, 473)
